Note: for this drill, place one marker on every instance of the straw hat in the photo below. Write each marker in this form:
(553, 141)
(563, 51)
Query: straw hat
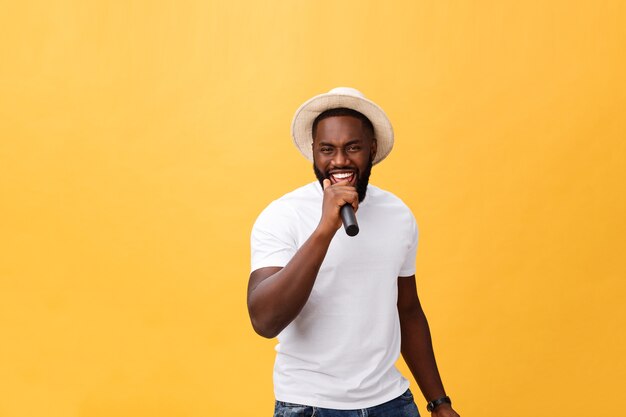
(302, 125)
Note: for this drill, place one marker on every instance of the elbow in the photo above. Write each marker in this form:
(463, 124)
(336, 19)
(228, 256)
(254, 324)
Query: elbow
(262, 324)
(263, 329)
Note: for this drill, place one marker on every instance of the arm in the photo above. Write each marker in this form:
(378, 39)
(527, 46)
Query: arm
(276, 295)
(416, 345)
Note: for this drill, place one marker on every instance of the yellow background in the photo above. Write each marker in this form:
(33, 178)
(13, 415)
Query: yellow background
(139, 141)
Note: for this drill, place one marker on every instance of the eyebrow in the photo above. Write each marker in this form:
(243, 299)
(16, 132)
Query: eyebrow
(352, 142)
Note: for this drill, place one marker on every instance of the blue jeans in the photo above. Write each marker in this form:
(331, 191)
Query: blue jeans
(402, 406)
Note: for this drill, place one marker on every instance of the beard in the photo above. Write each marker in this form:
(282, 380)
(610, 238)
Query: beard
(363, 179)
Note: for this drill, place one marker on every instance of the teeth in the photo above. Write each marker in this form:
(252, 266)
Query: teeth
(342, 175)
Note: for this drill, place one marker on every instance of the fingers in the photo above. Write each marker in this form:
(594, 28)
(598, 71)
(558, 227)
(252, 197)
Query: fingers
(344, 193)
(335, 196)
(354, 201)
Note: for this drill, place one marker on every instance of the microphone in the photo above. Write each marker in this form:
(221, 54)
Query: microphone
(349, 220)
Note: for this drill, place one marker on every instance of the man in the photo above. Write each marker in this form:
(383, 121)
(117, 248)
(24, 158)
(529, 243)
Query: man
(343, 307)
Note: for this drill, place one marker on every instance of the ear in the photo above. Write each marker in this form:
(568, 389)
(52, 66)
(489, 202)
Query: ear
(374, 148)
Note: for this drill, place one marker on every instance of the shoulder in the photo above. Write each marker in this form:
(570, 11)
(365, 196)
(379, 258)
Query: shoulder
(302, 195)
(386, 204)
(289, 204)
(380, 197)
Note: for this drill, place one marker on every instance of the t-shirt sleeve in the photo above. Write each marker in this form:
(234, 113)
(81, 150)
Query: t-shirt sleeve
(408, 267)
(272, 241)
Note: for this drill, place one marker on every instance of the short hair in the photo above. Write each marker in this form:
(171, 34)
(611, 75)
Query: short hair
(343, 111)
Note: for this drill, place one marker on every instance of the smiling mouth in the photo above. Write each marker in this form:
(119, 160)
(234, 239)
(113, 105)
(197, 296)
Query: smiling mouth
(339, 176)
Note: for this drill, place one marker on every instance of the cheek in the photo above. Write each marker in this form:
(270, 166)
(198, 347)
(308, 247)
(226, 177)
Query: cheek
(364, 160)
(321, 161)
(320, 165)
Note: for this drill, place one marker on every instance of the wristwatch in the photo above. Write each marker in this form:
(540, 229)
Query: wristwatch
(436, 403)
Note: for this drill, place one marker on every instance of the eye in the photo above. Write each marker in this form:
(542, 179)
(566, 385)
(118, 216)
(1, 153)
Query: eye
(326, 149)
(353, 148)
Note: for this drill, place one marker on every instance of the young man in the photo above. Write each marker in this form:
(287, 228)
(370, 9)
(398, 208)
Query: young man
(343, 307)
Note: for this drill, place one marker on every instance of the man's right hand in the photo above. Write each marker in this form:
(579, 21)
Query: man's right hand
(276, 295)
(335, 196)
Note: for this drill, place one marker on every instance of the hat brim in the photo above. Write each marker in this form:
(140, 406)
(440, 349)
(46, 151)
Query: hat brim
(302, 124)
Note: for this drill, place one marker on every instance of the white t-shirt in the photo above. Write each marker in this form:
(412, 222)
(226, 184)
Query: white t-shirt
(340, 351)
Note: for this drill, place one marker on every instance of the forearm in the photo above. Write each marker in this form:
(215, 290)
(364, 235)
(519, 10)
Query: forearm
(279, 298)
(417, 350)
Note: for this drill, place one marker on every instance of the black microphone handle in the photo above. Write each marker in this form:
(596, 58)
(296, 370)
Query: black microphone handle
(349, 220)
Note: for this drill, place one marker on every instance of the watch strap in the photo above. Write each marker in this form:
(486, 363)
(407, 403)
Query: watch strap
(435, 403)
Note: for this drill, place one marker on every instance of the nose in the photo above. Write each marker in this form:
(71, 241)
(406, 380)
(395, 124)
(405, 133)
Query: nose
(341, 158)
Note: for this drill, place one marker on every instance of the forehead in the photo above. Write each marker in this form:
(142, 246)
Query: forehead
(341, 128)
